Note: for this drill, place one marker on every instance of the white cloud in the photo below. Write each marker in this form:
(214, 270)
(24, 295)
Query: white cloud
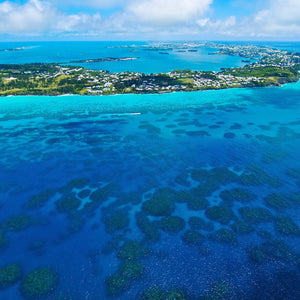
(35, 17)
(283, 16)
(168, 12)
(148, 19)
(280, 20)
(98, 4)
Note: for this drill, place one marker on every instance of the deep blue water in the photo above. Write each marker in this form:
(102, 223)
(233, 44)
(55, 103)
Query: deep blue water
(184, 149)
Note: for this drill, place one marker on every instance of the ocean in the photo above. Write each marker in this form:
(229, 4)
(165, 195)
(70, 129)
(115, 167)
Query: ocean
(172, 196)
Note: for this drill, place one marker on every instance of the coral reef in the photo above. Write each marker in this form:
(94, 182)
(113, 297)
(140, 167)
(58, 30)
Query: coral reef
(156, 293)
(68, 204)
(39, 200)
(254, 175)
(161, 204)
(175, 294)
(212, 179)
(242, 228)
(255, 215)
(153, 293)
(293, 173)
(78, 183)
(218, 291)
(171, 224)
(84, 193)
(197, 223)
(101, 194)
(117, 221)
(9, 275)
(131, 250)
(17, 223)
(197, 203)
(149, 229)
(286, 226)
(191, 237)
(277, 201)
(3, 240)
(220, 214)
(225, 236)
(123, 278)
(272, 250)
(274, 156)
(229, 135)
(39, 283)
(237, 194)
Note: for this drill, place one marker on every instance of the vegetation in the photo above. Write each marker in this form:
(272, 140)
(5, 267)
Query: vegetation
(274, 68)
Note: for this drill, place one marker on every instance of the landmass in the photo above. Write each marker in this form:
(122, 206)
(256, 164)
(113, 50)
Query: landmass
(269, 67)
(104, 59)
(12, 49)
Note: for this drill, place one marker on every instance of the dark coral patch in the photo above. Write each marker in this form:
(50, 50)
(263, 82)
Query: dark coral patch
(225, 236)
(148, 228)
(39, 283)
(118, 282)
(131, 250)
(272, 250)
(286, 226)
(197, 223)
(254, 175)
(220, 214)
(242, 228)
(68, 204)
(255, 214)
(84, 193)
(161, 204)
(236, 126)
(237, 194)
(9, 275)
(229, 135)
(191, 237)
(117, 221)
(17, 223)
(277, 201)
(171, 224)
(39, 200)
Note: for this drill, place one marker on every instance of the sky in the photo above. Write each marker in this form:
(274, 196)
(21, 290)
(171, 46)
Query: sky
(150, 20)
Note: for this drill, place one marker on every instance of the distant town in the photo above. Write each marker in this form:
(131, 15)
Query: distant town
(264, 67)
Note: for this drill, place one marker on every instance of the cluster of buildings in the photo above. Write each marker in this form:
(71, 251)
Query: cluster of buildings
(103, 82)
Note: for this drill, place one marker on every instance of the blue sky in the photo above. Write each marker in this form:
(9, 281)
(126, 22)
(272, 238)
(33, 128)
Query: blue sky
(150, 20)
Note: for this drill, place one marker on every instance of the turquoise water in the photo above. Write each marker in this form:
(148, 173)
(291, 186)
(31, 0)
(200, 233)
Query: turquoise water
(148, 62)
(184, 149)
(149, 196)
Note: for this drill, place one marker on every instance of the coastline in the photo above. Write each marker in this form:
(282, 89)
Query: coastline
(151, 93)
(275, 68)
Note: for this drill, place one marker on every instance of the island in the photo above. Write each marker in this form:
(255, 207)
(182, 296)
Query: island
(269, 67)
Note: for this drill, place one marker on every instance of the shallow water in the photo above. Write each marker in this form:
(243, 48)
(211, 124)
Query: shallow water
(148, 62)
(128, 148)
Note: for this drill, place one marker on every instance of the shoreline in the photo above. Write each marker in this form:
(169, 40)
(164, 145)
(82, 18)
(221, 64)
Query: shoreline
(275, 68)
(158, 93)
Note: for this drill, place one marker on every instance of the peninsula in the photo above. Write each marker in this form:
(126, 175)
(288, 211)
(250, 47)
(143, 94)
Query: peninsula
(265, 67)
